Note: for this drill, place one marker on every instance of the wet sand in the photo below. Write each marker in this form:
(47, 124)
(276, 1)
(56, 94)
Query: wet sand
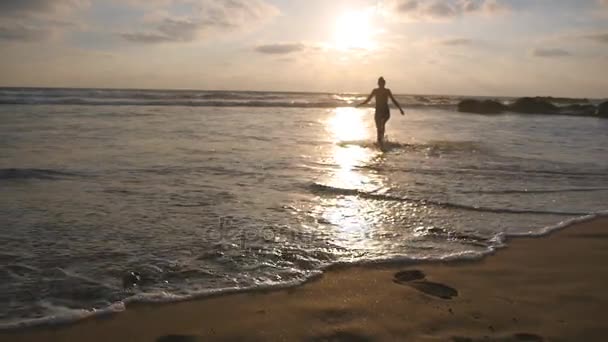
(553, 288)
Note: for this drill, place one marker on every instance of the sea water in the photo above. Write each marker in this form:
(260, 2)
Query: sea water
(210, 192)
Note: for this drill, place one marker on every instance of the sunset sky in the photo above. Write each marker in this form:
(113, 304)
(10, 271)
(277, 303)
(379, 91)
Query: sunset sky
(467, 47)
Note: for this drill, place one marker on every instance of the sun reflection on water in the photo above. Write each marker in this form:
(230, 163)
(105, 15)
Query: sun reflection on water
(347, 124)
(352, 217)
(349, 134)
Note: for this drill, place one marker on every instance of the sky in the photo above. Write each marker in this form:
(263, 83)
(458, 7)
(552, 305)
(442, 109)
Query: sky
(456, 47)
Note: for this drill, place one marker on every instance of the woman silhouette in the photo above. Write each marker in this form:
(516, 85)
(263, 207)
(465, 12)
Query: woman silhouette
(383, 112)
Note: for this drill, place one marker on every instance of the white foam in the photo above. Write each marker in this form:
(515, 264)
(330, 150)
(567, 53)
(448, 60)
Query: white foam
(166, 297)
(63, 315)
(552, 228)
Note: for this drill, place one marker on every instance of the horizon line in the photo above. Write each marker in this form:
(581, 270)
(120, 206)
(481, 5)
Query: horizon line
(289, 92)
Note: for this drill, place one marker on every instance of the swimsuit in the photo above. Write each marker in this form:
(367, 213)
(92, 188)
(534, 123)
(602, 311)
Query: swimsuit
(383, 113)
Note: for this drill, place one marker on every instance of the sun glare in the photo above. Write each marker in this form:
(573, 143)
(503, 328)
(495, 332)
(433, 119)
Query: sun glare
(353, 31)
(347, 124)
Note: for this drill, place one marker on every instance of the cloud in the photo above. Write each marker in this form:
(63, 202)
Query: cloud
(169, 30)
(598, 37)
(29, 8)
(146, 37)
(205, 17)
(550, 52)
(445, 9)
(35, 20)
(280, 48)
(407, 5)
(441, 10)
(456, 41)
(22, 33)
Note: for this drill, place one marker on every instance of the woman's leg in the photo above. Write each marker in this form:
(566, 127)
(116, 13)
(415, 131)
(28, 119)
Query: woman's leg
(380, 128)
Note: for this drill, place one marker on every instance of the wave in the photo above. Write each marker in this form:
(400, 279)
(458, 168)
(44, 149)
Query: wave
(492, 171)
(531, 191)
(41, 93)
(190, 103)
(191, 98)
(62, 315)
(326, 189)
(46, 174)
(184, 103)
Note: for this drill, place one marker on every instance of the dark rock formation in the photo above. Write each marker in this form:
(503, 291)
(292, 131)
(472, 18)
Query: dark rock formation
(535, 105)
(481, 107)
(602, 110)
(530, 105)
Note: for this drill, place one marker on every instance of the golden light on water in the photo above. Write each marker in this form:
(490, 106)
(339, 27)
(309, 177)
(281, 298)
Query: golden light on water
(352, 150)
(351, 137)
(347, 125)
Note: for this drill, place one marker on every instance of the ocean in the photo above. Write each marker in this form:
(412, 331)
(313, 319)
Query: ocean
(206, 192)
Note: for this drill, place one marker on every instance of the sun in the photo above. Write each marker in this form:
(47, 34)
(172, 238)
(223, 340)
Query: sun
(353, 31)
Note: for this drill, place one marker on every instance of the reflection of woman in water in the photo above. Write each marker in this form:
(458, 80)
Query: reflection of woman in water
(382, 110)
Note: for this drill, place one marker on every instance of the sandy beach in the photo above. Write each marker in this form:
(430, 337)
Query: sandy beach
(551, 288)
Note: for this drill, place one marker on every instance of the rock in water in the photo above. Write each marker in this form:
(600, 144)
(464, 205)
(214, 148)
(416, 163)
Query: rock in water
(530, 105)
(602, 110)
(130, 280)
(481, 107)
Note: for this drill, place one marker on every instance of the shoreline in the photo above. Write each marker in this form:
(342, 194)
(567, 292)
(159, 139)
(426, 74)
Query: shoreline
(468, 299)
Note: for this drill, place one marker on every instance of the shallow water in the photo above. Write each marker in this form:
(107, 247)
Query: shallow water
(203, 198)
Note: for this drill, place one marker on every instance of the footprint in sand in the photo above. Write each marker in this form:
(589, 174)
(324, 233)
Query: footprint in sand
(407, 276)
(528, 337)
(519, 337)
(415, 279)
(435, 289)
(179, 338)
(341, 336)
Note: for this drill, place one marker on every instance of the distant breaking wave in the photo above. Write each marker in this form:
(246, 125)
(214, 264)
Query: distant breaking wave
(185, 103)
(190, 98)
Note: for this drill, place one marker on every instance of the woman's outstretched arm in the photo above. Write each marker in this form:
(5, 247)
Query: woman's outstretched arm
(369, 98)
(390, 93)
